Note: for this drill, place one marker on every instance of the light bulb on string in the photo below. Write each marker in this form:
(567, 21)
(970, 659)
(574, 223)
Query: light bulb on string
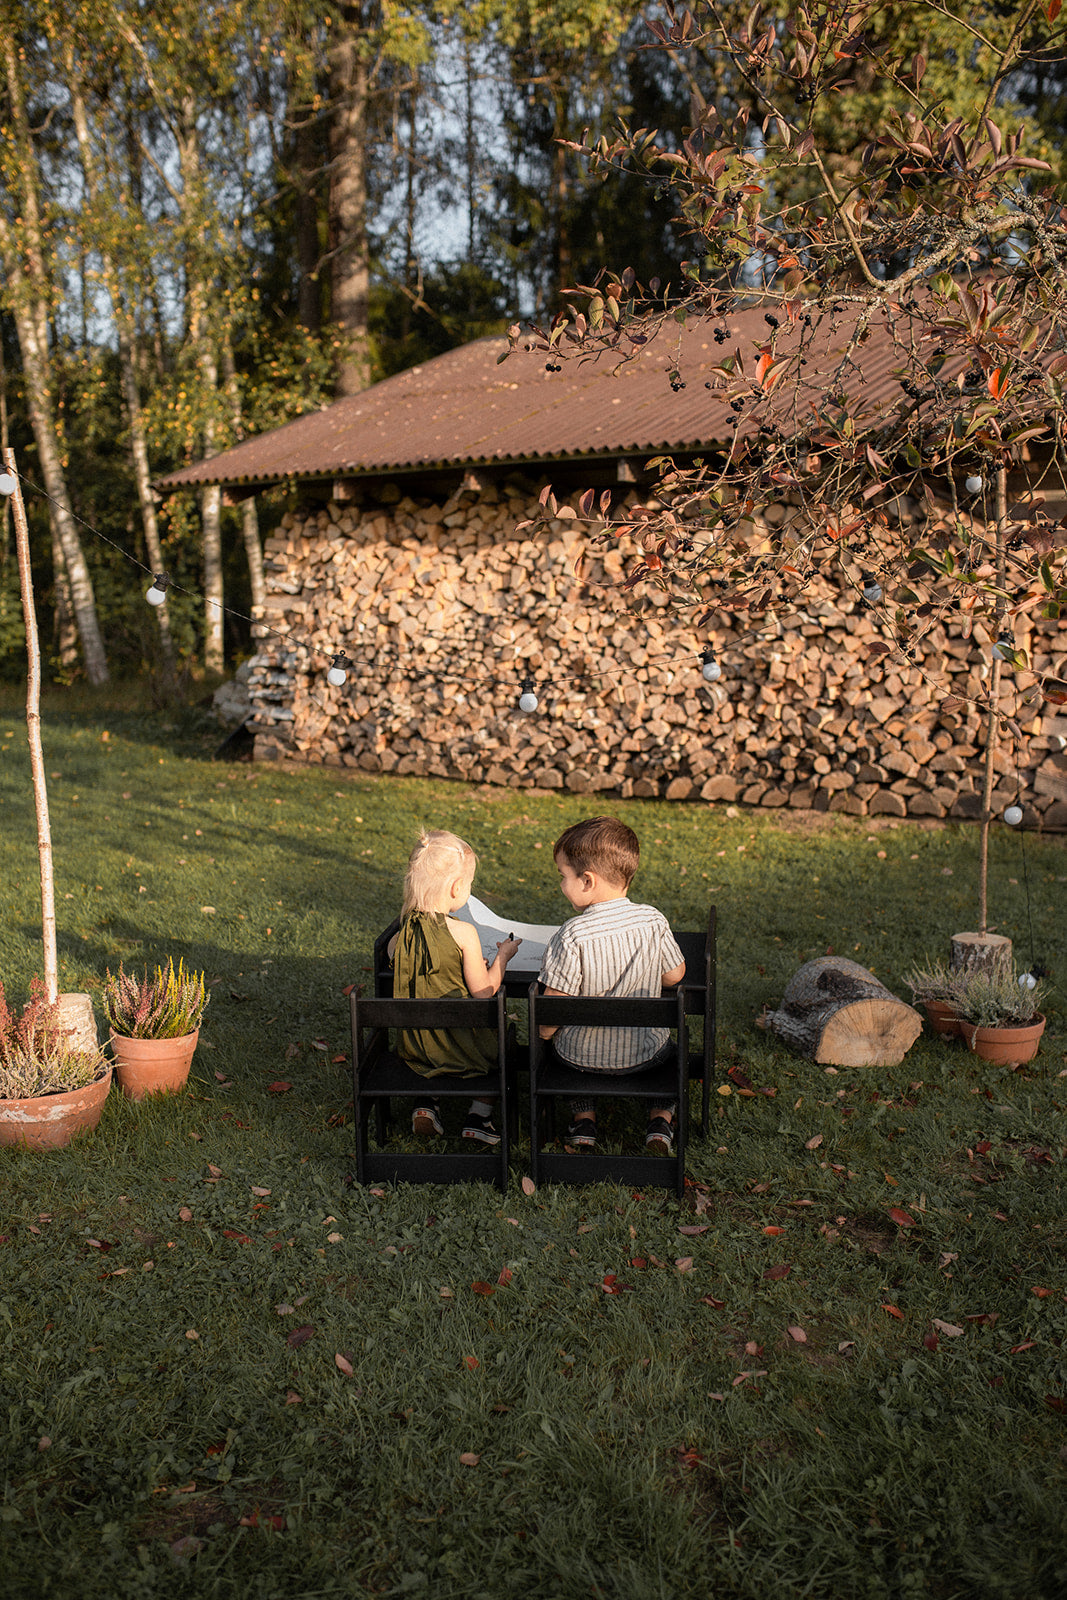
(1013, 815)
(7, 483)
(1027, 980)
(338, 670)
(974, 484)
(872, 589)
(528, 699)
(158, 591)
(711, 671)
(1004, 649)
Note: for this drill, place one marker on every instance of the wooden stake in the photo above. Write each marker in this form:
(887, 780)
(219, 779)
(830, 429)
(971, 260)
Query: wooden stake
(33, 728)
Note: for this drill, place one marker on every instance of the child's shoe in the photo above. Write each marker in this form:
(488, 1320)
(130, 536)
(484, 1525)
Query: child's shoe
(426, 1120)
(581, 1134)
(480, 1128)
(659, 1136)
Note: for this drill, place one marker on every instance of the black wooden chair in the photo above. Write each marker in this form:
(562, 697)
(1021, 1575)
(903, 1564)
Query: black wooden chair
(700, 986)
(379, 1075)
(551, 1080)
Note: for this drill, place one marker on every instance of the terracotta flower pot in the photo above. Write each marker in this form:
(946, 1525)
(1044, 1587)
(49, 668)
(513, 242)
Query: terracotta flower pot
(152, 1066)
(1004, 1047)
(50, 1120)
(942, 1017)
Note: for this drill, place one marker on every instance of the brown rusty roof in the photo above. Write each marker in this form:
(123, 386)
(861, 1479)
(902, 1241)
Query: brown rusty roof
(465, 409)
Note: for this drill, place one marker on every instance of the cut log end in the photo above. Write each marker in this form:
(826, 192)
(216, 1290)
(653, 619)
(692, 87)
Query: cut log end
(869, 1033)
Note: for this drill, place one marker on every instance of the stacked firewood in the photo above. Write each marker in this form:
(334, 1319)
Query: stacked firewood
(445, 611)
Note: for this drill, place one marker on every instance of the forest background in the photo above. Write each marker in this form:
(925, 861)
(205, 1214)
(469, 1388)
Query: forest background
(215, 217)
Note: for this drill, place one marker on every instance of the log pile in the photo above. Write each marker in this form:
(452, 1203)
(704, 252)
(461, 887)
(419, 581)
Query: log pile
(445, 610)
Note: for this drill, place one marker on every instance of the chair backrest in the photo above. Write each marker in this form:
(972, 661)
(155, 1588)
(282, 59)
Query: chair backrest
(606, 1011)
(464, 1013)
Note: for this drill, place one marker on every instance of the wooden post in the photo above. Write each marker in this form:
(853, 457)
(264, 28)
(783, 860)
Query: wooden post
(33, 728)
(993, 717)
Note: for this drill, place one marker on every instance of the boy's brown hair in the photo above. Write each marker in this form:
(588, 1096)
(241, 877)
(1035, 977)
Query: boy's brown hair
(603, 845)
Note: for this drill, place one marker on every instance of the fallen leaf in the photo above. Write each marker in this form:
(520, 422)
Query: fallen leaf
(814, 1142)
(216, 1172)
(710, 1300)
(279, 1087)
(694, 1227)
(930, 1340)
(471, 1363)
(380, 1193)
(259, 1191)
(901, 1218)
(334, 1238)
(891, 1180)
(292, 1398)
(1027, 1344)
(773, 1231)
(191, 1333)
(446, 1293)
(469, 1459)
(846, 1344)
(684, 1263)
(185, 1214)
(950, 1329)
(782, 1271)
(1042, 1294)
(480, 1287)
(232, 1233)
(44, 1442)
(797, 1334)
(183, 1549)
(343, 1364)
(299, 1336)
(894, 1311)
(528, 1186)
(284, 1310)
(505, 1276)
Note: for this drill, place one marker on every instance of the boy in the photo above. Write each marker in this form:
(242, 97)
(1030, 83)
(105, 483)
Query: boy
(612, 947)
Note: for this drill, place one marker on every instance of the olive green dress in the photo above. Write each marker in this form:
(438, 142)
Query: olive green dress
(428, 965)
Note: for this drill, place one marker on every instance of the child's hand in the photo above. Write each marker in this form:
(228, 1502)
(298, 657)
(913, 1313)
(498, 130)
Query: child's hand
(506, 949)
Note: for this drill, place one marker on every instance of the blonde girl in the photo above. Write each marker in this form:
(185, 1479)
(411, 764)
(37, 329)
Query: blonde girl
(437, 957)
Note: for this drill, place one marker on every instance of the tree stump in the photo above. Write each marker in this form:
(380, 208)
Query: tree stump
(980, 952)
(837, 1013)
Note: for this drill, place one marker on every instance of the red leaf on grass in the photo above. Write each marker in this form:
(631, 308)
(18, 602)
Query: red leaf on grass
(710, 1300)
(1042, 1294)
(1056, 1402)
(684, 1263)
(279, 1087)
(797, 1335)
(782, 1271)
(894, 1311)
(693, 1227)
(774, 1231)
(232, 1233)
(300, 1336)
(640, 1262)
(343, 1364)
(610, 1284)
(903, 1219)
(505, 1276)
(930, 1340)
(1027, 1344)
(481, 1287)
(471, 1363)
(469, 1458)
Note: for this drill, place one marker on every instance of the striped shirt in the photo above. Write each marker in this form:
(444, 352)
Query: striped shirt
(614, 948)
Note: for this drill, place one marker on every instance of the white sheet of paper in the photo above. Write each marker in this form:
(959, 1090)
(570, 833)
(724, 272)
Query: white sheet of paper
(492, 928)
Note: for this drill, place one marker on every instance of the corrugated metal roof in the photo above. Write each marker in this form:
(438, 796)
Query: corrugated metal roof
(465, 409)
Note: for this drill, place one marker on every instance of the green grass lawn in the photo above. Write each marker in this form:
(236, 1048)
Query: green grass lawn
(226, 1370)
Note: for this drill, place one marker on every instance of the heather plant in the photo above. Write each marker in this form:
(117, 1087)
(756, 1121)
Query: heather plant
(35, 1058)
(933, 982)
(166, 1006)
(999, 999)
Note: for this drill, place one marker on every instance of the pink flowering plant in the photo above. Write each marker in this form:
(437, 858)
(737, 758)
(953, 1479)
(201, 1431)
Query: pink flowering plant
(36, 1056)
(167, 1005)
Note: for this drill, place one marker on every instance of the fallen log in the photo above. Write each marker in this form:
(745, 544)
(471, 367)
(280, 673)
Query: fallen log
(837, 1013)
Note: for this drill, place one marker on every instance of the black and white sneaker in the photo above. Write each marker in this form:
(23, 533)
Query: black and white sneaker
(581, 1135)
(659, 1136)
(480, 1128)
(426, 1120)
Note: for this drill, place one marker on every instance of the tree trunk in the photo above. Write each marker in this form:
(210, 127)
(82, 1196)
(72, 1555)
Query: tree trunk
(249, 516)
(837, 1013)
(27, 283)
(980, 952)
(349, 251)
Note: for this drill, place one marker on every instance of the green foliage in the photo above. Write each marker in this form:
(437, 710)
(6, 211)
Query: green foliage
(35, 1058)
(996, 1000)
(167, 1005)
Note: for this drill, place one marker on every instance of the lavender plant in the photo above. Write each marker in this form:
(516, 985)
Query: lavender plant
(35, 1055)
(165, 1006)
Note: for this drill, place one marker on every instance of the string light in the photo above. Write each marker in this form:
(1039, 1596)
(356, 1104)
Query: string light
(974, 484)
(711, 671)
(7, 483)
(1004, 649)
(872, 589)
(1013, 816)
(1027, 980)
(158, 592)
(527, 699)
(338, 673)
